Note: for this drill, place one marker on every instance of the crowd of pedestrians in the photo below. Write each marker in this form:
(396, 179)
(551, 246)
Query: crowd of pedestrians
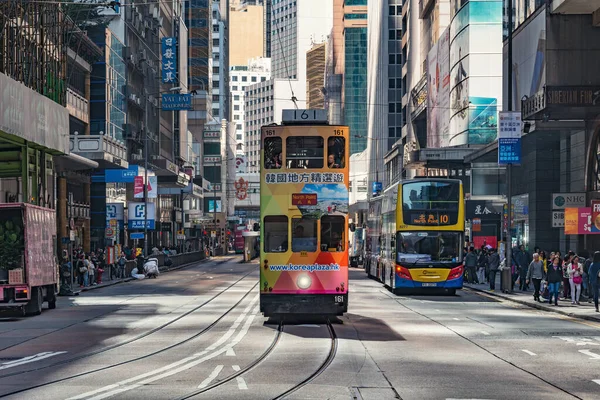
(554, 277)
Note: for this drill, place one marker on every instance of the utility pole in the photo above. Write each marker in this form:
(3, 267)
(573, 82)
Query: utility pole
(215, 218)
(146, 139)
(509, 107)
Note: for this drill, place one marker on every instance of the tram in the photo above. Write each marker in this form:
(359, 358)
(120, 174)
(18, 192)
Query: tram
(304, 216)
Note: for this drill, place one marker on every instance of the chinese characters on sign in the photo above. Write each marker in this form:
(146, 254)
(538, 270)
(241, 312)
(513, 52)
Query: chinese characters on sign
(169, 59)
(211, 134)
(509, 138)
(482, 210)
(313, 177)
(212, 159)
(302, 199)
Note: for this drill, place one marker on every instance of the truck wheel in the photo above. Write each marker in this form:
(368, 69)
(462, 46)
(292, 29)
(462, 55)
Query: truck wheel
(34, 307)
(51, 297)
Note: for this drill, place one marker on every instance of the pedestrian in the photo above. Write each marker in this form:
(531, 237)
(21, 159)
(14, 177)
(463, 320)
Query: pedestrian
(554, 278)
(482, 262)
(522, 260)
(122, 262)
(575, 279)
(81, 268)
(586, 289)
(565, 280)
(494, 265)
(471, 265)
(91, 271)
(544, 260)
(594, 278)
(535, 272)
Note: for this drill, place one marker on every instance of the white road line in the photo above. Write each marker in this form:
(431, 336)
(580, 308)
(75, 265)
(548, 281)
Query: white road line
(230, 353)
(177, 366)
(30, 359)
(593, 356)
(211, 377)
(456, 319)
(485, 333)
(310, 325)
(531, 353)
(596, 381)
(240, 381)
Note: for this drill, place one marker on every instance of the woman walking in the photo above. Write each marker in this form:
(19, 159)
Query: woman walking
(554, 277)
(594, 278)
(565, 280)
(536, 273)
(575, 279)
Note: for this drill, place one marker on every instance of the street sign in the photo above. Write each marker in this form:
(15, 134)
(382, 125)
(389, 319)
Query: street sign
(180, 237)
(136, 235)
(113, 223)
(558, 219)
(560, 201)
(176, 102)
(72, 235)
(509, 138)
(213, 234)
(136, 212)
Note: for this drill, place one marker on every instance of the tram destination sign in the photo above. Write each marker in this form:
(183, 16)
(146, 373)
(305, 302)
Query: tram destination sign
(304, 199)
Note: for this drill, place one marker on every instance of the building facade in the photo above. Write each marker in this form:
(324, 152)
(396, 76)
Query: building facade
(315, 76)
(246, 33)
(240, 77)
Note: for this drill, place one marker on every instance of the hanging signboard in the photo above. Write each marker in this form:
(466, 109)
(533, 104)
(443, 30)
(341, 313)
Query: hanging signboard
(509, 138)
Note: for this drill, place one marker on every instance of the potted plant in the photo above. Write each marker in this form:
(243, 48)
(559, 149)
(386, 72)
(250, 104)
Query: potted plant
(11, 246)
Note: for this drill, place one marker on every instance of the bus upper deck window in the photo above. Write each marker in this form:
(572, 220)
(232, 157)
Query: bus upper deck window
(336, 149)
(304, 152)
(273, 157)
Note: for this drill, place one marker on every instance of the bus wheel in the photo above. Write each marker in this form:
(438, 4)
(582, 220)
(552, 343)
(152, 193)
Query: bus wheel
(451, 292)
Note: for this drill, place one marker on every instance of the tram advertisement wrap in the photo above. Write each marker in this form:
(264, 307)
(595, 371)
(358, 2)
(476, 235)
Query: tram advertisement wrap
(304, 212)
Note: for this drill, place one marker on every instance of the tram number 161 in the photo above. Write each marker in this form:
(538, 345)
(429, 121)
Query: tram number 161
(338, 299)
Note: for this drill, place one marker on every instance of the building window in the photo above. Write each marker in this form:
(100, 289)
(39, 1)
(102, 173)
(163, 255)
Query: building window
(392, 83)
(215, 97)
(236, 117)
(234, 78)
(392, 59)
(215, 70)
(263, 78)
(244, 79)
(392, 108)
(355, 16)
(392, 10)
(239, 127)
(236, 107)
(236, 97)
(253, 79)
(234, 88)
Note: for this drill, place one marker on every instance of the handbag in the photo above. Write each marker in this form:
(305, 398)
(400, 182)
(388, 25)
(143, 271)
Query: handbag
(577, 279)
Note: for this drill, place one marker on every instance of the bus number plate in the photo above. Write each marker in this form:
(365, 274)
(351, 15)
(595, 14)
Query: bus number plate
(429, 284)
(338, 299)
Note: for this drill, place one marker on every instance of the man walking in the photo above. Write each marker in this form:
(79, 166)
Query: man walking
(471, 265)
(494, 265)
(522, 260)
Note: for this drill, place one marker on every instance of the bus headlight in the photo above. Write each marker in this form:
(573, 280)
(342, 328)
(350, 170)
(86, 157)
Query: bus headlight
(304, 281)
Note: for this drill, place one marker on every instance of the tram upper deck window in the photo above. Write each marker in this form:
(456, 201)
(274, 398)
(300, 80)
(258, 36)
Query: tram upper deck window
(304, 152)
(304, 234)
(273, 158)
(336, 149)
(276, 234)
(332, 233)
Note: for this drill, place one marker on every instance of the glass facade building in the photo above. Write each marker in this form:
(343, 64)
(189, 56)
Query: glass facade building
(355, 87)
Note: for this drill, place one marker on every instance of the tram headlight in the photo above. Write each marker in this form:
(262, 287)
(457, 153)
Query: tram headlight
(304, 281)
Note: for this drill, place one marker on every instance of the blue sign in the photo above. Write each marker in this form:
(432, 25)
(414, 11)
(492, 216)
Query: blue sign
(121, 175)
(139, 224)
(509, 151)
(377, 187)
(136, 213)
(176, 102)
(169, 59)
(136, 235)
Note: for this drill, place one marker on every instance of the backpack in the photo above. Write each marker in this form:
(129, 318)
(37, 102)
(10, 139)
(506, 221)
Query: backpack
(81, 266)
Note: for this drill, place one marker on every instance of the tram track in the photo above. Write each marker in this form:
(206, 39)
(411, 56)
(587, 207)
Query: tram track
(280, 329)
(141, 336)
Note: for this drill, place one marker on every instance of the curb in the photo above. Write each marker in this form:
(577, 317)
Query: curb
(539, 306)
(112, 283)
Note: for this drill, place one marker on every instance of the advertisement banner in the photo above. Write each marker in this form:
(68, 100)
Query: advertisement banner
(169, 59)
(138, 187)
(595, 221)
(152, 187)
(438, 100)
(560, 201)
(578, 221)
(509, 138)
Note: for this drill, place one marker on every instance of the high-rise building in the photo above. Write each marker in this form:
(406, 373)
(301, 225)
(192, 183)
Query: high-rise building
(240, 77)
(246, 33)
(267, 6)
(219, 62)
(385, 88)
(315, 75)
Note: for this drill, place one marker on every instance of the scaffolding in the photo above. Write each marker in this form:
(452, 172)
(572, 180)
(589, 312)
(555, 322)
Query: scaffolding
(32, 46)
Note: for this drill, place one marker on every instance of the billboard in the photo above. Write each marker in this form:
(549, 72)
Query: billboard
(438, 100)
(475, 71)
(169, 59)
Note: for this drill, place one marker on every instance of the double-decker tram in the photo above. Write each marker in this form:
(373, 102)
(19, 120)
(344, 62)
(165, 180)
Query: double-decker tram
(385, 261)
(304, 216)
(430, 224)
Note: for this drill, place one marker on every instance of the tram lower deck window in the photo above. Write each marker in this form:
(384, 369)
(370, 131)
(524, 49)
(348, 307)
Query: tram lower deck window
(276, 234)
(304, 234)
(304, 152)
(332, 233)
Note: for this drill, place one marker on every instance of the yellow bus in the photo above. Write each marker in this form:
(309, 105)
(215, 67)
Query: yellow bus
(430, 225)
(304, 219)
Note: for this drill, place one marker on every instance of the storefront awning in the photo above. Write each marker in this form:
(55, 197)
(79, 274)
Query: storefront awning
(74, 162)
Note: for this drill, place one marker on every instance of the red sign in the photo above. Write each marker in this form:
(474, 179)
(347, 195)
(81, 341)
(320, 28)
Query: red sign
(479, 241)
(578, 221)
(476, 225)
(304, 199)
(595, 222)
(138, 187)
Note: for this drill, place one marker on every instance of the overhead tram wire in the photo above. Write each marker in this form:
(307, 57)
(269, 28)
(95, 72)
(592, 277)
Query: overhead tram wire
(287, 72)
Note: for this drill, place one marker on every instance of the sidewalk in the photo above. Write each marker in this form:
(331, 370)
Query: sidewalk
(584, 311)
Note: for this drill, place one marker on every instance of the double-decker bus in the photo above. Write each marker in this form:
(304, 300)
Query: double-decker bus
(304, 217)
(373, 241)
(430, 224)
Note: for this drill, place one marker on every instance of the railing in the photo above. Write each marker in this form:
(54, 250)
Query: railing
(78, 106)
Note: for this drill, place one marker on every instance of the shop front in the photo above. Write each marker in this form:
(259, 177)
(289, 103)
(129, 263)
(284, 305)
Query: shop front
(485, 218)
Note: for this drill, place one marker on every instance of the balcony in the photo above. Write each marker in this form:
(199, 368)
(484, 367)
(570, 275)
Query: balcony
(575, 6)
(105, 150)
(78, 106)
(419, 97)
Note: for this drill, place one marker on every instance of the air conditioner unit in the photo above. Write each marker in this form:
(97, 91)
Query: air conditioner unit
(155, 102)
(155, 12)
(143, 54)
(132, 97)
(155, 157)
(143, 34)
(138, 101)
(160, 21)
(147, 24)
(133, 59)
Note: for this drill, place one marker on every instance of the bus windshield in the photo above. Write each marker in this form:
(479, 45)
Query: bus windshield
(430, 203)
(428, 246)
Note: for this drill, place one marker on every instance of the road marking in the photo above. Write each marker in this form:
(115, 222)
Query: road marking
(181, 365)
(30, 359)
(240, 381)
(578, 341)
(456, 319)
(310, 325)
(531, 353)
(438, 310)
(485, 333)
(596, 381)
(212, 376)
(230, 353)
(593, 356)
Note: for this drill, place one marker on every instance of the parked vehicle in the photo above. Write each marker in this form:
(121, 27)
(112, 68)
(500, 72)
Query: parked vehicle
(28, 265)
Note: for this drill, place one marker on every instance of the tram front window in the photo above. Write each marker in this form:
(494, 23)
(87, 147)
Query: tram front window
(304, 152)
(276, 234)
(428, 246)
(304, 235)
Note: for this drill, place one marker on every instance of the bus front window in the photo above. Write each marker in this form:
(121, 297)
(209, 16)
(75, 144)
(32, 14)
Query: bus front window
(428, 246)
